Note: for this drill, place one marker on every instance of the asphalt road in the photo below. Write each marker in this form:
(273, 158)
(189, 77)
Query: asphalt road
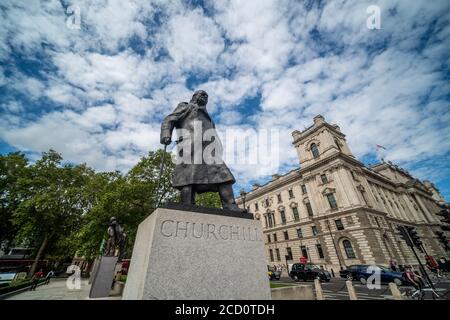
(336, 289)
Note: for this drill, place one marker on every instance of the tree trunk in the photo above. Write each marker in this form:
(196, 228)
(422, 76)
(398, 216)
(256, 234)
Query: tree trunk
(38, 256)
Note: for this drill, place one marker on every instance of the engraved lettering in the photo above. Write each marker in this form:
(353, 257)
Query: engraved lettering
(193, 231)
(211, 231)
(220, 232)
(181, 229)
(162, 227)
(234, 232)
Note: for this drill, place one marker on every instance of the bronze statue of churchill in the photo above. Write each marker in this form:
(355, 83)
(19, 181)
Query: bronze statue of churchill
(195, 173)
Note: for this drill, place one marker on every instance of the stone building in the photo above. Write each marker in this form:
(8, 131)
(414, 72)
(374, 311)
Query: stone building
(337, 212)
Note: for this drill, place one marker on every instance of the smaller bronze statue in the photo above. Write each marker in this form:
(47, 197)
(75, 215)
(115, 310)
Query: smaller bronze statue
(115, 246)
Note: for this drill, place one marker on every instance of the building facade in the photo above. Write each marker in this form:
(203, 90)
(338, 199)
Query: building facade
(337, 212)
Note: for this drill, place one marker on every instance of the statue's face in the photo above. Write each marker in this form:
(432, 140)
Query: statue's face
(201, 98)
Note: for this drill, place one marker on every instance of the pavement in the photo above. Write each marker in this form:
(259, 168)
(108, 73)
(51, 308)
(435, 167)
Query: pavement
(55, 290)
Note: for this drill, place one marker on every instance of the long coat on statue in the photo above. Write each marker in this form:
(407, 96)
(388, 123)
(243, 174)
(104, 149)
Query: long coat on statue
(191, 168)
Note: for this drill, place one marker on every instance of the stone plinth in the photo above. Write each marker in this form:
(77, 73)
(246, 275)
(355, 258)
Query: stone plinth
(103, 277)
(196, 255)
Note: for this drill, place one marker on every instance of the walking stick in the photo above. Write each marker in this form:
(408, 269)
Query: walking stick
(161, 169)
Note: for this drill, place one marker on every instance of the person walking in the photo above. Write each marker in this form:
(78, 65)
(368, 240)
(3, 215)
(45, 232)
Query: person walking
(393, 265)
(50, 274)
(35, 279)
(412, 278)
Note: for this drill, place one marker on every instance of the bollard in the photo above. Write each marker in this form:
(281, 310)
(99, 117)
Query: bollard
(351, 290)
(319, 292)
(396, 294)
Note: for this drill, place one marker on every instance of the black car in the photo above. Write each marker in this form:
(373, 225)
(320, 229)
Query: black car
(307, 272)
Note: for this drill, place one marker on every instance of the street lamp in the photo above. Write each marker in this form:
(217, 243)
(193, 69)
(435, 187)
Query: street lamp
(243, 195)
(334, 244)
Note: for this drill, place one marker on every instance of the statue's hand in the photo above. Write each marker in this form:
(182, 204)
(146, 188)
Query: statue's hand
(166, 140)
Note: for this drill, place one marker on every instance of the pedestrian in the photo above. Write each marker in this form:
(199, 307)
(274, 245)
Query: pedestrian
(50, 274)
(412, 278)
(35, 279)
(432, 265)
(393, 265)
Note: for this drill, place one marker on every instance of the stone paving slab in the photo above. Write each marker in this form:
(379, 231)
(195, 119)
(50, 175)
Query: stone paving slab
(55, 290)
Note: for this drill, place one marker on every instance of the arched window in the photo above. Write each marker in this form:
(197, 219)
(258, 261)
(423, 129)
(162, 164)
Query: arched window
(348, 249)
(314, 150)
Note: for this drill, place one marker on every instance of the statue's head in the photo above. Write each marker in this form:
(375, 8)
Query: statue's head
(113, 220)
(200, 97)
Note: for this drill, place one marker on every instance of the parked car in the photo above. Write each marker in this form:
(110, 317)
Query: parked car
(361, 273)
(273, 273)
(307, 272)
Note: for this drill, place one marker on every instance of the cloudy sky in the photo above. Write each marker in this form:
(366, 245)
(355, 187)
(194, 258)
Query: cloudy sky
(97, 93)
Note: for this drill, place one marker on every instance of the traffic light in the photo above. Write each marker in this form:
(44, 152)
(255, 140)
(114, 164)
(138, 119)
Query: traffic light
(404, 235)
(414, 237)
(443, 239)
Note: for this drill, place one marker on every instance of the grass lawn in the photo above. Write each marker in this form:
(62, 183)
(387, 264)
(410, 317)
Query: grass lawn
(280, 285)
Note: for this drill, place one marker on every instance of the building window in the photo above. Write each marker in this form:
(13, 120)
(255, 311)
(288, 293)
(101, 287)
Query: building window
(273, 218)
(377, 222)
(289, 253)
(291, 194)
(275, 238)
(314, 230)
(283, 217)
(324, 178)
(363, 194)
(266, 220)
(314, 150)
(286, 235)
(270, 220)
(338, 145)
(279, 198)
(309, 209)
(304, 191)
(256, 205)
(268, 238)
(339, 224)
(304, 251)
(348, 249)
(332, 201)
(277, 253)
(271, 254)
(295, 212)
(320, 251)
(299, 233)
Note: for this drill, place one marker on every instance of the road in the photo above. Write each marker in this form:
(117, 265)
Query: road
(336, 289)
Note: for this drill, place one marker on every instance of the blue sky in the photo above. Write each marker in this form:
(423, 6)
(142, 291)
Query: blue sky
(97, 94)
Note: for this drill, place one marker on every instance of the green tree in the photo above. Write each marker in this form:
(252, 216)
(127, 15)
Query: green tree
(209, 199)
(51, 203)
(12, 167)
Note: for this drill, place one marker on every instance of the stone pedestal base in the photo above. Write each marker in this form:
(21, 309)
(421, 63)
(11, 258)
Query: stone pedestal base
(197, 255)
(103, 277)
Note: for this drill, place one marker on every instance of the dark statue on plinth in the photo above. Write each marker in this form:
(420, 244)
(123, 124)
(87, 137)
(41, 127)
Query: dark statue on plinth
(199, 167)
(115, 245)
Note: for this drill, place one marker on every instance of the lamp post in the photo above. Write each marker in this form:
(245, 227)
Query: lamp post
(243, 195)
(334, 244)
